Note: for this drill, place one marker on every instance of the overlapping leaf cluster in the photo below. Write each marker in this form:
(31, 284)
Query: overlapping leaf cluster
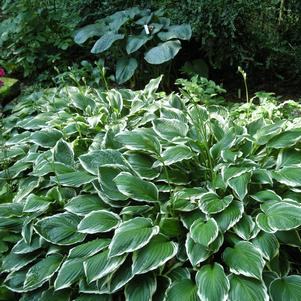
(131, 36)
(141, 196)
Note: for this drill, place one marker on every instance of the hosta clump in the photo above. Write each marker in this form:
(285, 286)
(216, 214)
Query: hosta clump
(132, 37)
(141, 196)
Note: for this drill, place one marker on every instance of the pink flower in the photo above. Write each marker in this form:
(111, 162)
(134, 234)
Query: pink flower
(2, 72)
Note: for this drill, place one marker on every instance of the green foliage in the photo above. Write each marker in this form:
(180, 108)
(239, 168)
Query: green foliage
(36, 35)
(142, 195)
(200, 89)
(127, 36)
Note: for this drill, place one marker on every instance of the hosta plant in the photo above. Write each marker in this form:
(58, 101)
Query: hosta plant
(130, 38)
(140, 196)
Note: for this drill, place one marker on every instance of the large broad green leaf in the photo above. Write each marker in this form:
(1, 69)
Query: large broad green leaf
(264, 134)
(155, 254)
(196, 253)
(285, 139)
(142, 164)
(74, 179)
(115, 99)
(84, 204)
(141, 288)
(204, 232)
(93, 160)
(60, 229)
(267, 243)
(286, 288)
(125, 69)
(89, 248)
(141, 140)
(41, 272)
(70, 272)
(136, 42)
(14, 281)
(83, 34)
(245, 259)
(35, 203)
(121, 276)
(22, 247)
(247, 289)
(162, 53)
(244, 228)
(181, 290)
(262, 223)
(211, 203)
(98, 222)
(178, 153)
(240, 184)
(266, 195)
(63, 153)
(46, 138)
(230, 216)
(288, 157)
(108, 187)
(106, 41)
(136, 188)
(282, 216)
(290, 176)
(182, 32)
(170, 128)
(82, 102)
(212, 283)
(132, 235)
(14, 262)
(100, 265)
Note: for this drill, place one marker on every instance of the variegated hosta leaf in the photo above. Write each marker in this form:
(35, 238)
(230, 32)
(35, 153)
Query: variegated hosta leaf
(46, 138)
(70, 272)
(280, 215)
(41, 272)
(239, 184)
(211, 203)
(286, 288)
(267, 243)
(285, 139)
(93, 160)
(74, 179)
(101, 264)
(244, 259)
(140, 140)
(60, 229)
(63, 153)
(136, 188)
(248, 289)
(170, 128)
(229, 216)
(212, 283)
(99, 221)
(141, 288)
(177, 153)
(196, 252)
(184, 289)
(155, 254)
(132, 235)
(89, 248)
(204, 232)
(244, 228)
(85, 204)
(290, 176)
